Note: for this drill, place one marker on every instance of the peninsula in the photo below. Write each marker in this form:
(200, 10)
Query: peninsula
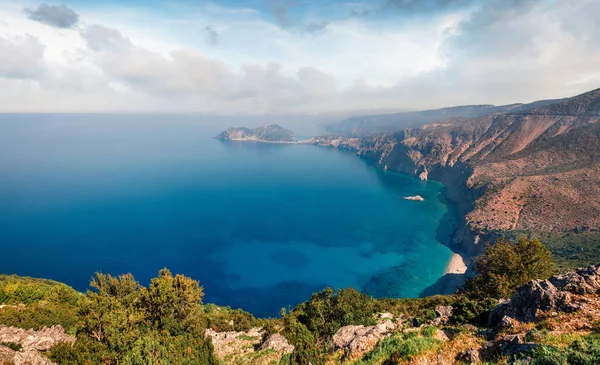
(269, 134)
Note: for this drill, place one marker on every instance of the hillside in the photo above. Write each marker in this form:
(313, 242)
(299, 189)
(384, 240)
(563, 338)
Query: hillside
(382, 123)
(553, 321)
(529, 170)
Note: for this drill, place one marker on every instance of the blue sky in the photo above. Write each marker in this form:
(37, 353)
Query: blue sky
(302, 56)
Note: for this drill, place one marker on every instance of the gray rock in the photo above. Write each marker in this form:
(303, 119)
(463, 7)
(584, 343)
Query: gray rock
(528, 300)
(32, 343)
(358, 340)
(278, 343)
(580, 281)
(444, 311)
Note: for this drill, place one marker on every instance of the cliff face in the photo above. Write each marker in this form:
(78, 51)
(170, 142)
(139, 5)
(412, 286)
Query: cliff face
(272, 133)
(534, 169)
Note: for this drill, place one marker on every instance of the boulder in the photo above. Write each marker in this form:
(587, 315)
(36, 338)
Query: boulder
(444, 311)
(31, 340)
(32, 343)
(528, 300)
(278, 343)
(580, 281)
(358, 340)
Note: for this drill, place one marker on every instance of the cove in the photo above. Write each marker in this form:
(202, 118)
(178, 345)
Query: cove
(261, 226)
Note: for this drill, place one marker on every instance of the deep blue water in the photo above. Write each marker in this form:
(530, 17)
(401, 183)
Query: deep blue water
(260, 226)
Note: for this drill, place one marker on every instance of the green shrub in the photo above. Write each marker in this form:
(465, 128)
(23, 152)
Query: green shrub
(40, 315)
(585, 351)
(124, 323)
(505, 266)
(467, 310)
(329, 310)
(25, 290)
(399, 347)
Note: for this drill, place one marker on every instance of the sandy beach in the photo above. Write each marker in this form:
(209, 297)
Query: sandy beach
(456, 265)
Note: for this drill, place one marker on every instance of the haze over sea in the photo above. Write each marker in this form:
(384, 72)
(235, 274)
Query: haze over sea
(261, 226)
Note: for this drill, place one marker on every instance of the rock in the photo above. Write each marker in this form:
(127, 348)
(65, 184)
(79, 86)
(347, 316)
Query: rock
(580, 281)
(469, 327)
(505, 322)
(385, 316)
(358, 340)
(444, 312)
(515, 344)
(415, 198)
(470, 356)
(234, 344)
(528, 301)
(30, 358)
(278, 343)
(32, 343)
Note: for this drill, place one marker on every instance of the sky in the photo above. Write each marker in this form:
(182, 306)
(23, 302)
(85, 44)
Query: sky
(293, 56)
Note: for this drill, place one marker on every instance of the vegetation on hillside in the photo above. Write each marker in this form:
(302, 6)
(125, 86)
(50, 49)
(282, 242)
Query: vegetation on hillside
(505, 266)
(118, 321)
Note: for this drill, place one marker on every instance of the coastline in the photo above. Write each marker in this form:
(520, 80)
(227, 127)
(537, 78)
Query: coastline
(456, 265)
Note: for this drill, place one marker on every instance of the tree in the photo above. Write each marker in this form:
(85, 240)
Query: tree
(505, 266)
(126, 324)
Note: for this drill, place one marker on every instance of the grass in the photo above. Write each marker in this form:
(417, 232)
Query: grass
(399, 347)
(12, 346)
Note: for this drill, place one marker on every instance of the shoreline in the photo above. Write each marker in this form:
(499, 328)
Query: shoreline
(456, 265)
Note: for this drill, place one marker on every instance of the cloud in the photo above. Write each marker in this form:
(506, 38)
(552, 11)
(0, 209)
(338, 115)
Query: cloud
(280, 9)
(427, 6)
(59, 16)
(212, 35)
(22, 57)
(315, 27)
(184, 71)
(505, 51)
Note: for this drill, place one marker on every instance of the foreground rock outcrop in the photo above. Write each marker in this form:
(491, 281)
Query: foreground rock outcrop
(358, 340)
(554, 294)
(32, 344)
(243, 347)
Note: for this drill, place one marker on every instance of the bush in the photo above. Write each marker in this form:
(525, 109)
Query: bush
(36, 316)
(474, 311)
(585, 351)
(329, 310)
(25, 290)
(124, 323)
(305, 345)
(505, 266)
(398, 348)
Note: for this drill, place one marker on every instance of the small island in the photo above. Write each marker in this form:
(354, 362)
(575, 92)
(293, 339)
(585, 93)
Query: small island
(417, 198)
(270, 134)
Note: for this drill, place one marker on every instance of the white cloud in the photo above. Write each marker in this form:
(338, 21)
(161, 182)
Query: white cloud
(499, 51)
(22, 57)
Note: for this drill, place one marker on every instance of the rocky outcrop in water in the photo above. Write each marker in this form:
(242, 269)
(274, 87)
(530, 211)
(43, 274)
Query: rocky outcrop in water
(271, 134)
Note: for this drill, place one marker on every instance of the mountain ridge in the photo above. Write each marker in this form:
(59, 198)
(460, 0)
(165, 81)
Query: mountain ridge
(536, 169)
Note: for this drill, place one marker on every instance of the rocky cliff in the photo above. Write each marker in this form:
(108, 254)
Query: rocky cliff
(535, 169)
(272, 134)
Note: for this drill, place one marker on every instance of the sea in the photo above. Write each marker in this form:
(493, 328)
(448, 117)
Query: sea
(260, 226)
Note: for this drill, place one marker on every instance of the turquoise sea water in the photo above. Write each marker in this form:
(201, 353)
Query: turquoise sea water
(261, 226)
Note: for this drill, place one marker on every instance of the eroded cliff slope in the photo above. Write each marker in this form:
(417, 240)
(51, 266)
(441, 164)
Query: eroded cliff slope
(533, 170)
